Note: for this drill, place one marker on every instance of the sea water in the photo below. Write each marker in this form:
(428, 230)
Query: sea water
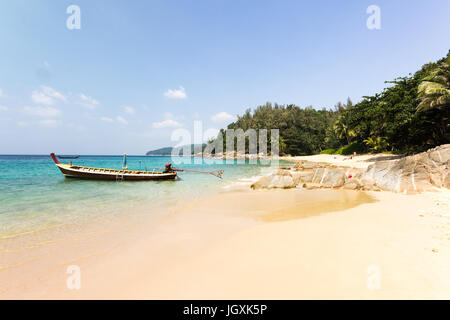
(34, 195)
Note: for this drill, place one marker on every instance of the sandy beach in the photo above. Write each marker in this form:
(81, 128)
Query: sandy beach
(266, 244)
(358, 161)
(224, 150)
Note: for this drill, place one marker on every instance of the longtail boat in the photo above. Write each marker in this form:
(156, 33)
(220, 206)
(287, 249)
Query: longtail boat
(74, 171)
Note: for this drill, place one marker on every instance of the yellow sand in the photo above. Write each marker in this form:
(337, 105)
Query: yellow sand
(253, 245)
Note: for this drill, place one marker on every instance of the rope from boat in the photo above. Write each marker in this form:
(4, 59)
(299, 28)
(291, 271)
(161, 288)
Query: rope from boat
(218, 173)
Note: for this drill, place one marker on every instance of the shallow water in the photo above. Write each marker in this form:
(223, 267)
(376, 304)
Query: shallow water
(49, 223)
(34, 195)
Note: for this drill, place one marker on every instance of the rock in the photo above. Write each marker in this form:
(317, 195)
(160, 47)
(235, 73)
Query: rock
(283, 172)
(302, 176)
(377, 175)
(440, 155)
(446, 182)
(412, 174)
(310, 186)
(299, 165)
(280, 179)
(318, 174)
(417, 173)
(261, 183)
(352, 184)
(333, 178)
(305, 165)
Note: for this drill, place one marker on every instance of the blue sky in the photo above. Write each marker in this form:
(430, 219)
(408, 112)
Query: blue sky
(137, 70)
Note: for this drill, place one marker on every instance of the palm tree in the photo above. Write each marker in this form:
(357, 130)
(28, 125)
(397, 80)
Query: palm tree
(342, 130)
(434, 90)
(376, 144)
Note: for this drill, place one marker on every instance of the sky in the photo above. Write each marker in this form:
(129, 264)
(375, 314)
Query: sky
(135, 71)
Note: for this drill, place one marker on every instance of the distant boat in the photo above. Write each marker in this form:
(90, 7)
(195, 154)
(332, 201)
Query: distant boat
(68, 157)
(74, 171)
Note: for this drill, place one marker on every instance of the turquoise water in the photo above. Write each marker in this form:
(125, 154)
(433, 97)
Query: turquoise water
(34, 194)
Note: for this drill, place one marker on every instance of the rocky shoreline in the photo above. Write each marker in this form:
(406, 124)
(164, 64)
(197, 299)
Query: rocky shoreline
(418, 173)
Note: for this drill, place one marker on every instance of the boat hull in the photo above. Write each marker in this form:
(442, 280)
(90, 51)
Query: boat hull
(83, 173)
(80, 172)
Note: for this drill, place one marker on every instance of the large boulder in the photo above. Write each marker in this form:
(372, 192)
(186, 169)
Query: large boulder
(279, 179)
(302, 176)
(353, 184)
(417, 173)
(412, 174)
(333, 178)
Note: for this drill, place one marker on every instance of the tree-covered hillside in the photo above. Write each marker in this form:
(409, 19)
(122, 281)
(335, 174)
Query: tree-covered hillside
(410, 115)
(167, 151)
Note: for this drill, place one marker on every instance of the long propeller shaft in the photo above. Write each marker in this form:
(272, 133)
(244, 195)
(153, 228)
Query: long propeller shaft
(217, 173)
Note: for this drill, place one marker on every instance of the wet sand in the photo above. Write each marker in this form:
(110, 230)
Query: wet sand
(277, 244)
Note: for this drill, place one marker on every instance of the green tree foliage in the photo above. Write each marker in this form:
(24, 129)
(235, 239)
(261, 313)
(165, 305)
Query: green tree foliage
(434, 90)
(410, 115)
(302, 131)
(342, 126)
(377, 144)
(404, 115)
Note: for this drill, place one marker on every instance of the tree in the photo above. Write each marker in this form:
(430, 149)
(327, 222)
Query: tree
(342, 125)
(376, 144)
(410, 115)
(434, 90)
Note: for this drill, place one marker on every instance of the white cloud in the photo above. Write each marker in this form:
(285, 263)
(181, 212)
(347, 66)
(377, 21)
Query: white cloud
(50, 123)
(47, 96)
(22, 124)
(40, 97)
(106, 119)
(176, 93)
(1, 93)
(3, 108)
(169, 123)
(222, 117)
(47, 112)
(121, 120)
(118, 119)
(88, 102)
(53, 93)
(129, 110)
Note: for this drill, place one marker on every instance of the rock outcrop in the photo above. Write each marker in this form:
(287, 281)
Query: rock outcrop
(411, 174)
(279, 179)
(417, 173)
